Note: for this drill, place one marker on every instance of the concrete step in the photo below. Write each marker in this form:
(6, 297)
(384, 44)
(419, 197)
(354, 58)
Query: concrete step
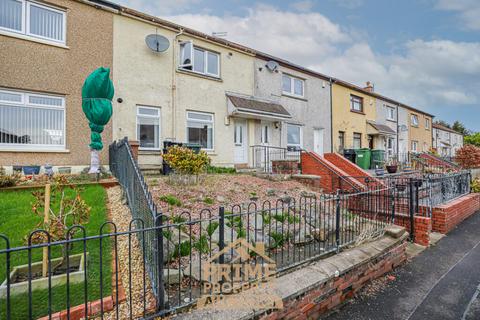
(151, 169)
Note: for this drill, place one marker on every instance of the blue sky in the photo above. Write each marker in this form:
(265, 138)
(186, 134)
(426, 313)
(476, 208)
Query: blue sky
(425, 53)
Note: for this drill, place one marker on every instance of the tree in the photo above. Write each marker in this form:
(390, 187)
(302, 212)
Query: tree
(443, 123)
(460, 128)
(468, 156)
(473, 139)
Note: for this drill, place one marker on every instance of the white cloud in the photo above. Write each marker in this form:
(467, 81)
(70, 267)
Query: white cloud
(303, 6)
(426, 74)
(468, 11)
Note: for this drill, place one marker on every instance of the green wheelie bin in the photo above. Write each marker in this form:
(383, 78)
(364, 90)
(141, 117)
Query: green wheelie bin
(363, 158)
(378, 159)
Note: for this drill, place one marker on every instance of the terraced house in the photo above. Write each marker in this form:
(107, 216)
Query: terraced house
(46, 51)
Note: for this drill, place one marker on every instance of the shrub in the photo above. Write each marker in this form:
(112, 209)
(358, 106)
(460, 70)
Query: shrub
(7, 180)
(208, 201)
(171, 200)
(220, 170)
(468, 156)
(475, 186)
(186, 161)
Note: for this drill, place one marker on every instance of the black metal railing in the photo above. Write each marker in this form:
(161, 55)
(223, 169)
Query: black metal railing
(142, 207)
(289, 231)
(266, 157)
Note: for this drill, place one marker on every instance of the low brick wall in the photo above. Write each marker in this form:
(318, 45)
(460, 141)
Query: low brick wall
(336, 291)
(285, 166)
(448, 216)
(311, 181)
(422, 227)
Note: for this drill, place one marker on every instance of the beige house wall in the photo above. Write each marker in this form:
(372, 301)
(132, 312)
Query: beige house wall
(420, 133)
(343, 119)
(143, 77)
(33, 66)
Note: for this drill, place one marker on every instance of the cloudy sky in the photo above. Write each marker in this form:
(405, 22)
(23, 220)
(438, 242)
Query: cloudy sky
(425, 53)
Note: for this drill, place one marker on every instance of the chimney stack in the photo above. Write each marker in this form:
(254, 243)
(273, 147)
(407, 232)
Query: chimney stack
(369, 86)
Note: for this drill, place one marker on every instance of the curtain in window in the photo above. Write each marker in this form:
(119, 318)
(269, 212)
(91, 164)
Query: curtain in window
(46, 23)
(11, 14)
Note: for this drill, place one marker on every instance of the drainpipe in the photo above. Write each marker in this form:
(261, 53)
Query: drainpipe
(398, 133)
(331, 116)
(174, 86)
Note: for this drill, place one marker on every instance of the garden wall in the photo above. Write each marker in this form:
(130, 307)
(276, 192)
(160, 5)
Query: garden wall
(448, 216)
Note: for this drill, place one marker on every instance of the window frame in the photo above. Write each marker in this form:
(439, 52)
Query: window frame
(292, 86)
(392, 116)
(206, 52)
(414, 143)
(414, 123)
(25, 22)
(158, 116)
(341, 141)
(299, 145)
(427, 124)
(352, 98)
(187, 119)
(26, 104)
(359, 134)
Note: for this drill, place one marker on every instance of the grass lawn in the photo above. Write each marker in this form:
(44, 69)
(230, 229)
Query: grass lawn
(17, 221)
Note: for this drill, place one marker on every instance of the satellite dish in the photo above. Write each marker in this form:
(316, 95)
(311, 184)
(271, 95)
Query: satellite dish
(402, 128)
(272, 65)
(157, 42)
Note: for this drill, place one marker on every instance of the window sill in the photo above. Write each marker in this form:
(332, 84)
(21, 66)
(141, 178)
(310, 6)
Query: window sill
(357, 112)
(293, 96)
(34, 150)
(392, 120)
(200, 75)
(32, 39)
(149, 152)
(414, 126)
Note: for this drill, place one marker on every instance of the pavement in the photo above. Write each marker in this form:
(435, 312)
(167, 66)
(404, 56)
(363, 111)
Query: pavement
(443, 282)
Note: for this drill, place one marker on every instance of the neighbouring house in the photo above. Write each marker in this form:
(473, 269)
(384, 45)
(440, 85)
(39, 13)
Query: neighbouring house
(47, 50)
(446, 141)
(304, 95)
(353, 113)
(183, 93)
(419, 130)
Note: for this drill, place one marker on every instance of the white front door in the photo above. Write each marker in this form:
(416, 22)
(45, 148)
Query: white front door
(318, 141)
(240, 140)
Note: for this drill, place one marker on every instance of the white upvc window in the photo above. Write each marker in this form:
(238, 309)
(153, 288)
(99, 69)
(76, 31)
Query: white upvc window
(414, 146)
(293, 86)
(31, 121)
(200, 129)
(427, 123)
(414, 120)
(199, 60)
(148, 127)
(357, 140)
(265, 135)
(390, 113)
(33, 19)
(294, 136)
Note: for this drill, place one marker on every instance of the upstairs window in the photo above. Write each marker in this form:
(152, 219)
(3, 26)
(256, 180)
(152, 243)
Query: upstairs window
(199, 60)
(356, 103)
(33, 19)
(292, 86)
(414, 120)
(427, 123)
(30, 121)
(390, 113)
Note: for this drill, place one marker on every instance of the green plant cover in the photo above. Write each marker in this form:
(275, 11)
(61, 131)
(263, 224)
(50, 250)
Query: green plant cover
(97, 94)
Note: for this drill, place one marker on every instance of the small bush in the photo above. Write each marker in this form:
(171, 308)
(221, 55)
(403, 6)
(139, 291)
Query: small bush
(220, 170)
(282, 217)
(475, 186)
(171, 200)
(202, 244)
(208, 200)
(468, 156)
(182, 250)
(7, 180)
(212, 226)
(186, 161)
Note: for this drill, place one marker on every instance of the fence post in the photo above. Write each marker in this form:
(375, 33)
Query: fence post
(221, 235)
(337, 222)
(392, 201)
(159, 236)
(411, 209)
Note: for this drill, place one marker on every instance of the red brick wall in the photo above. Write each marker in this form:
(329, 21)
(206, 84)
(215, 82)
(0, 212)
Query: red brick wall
(330, 175)
(329, 295)
(285, 166)
(446, 217)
